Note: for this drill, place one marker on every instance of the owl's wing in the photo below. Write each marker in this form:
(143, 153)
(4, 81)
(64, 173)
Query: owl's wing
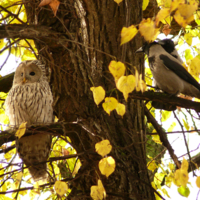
(33, 150)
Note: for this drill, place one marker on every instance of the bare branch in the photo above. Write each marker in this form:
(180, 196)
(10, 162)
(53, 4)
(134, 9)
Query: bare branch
(163, 137)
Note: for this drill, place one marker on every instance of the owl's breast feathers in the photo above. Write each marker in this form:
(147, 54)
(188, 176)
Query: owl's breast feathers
(32, 103)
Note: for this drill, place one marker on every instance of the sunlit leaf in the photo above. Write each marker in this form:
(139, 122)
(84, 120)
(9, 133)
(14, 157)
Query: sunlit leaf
(165, 192)
(164, 3)
(198, 181)
(60, 187)
(110, 104)
(128, 34)
(126, 84)
(107, 166)
(148, 29)
(145, 4)
(97, 191)
(103, 148)
(151, 165)
(156, 138)
(121, 109)
(117, 69)
(162, 14)
(188, 38)
(165, 115)
(98, 94)
(21, 130)
(186, 125)
(181, 175)
(194, 67)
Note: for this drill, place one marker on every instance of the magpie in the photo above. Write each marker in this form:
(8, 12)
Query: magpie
(168, 72)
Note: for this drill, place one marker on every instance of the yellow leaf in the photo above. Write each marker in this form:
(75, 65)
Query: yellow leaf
(118, 1)
(162, 14)
(103, 148)
(165, 192)
(168, 21)
(181, 177)
(187, 10)
(147, 30)
(175, 3)
(128, 33)
(165, 115)
(184, 14)
(121, 109)
(18, 179)
(97, 191)
(140, 84)
(110, 104)
(184, 165)
(188, 38)
(2, 44)
(151, 165)
(186, 125)
(194, 67)
(171, 166)
(117, 69)
(145, 4)
(60, 187)
(168, 181)
(198, 181)
(98, 94)
(143, 85)
(184, 191)
(21, 130)
(156, 138)
(179, 19)
(164, 3)
(107, 166)
(126, 84)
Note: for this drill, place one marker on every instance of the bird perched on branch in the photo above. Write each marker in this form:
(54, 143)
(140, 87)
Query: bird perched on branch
(168, 72)
(30, 100)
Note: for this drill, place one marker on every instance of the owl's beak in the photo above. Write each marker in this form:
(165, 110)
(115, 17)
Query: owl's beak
(24, 80)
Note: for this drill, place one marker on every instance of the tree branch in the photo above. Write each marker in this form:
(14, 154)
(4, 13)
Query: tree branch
(163, 136)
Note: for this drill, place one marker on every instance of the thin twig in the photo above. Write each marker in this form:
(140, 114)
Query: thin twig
(188, 151)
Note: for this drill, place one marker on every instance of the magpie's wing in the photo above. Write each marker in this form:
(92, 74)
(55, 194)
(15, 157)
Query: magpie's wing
(179, 70)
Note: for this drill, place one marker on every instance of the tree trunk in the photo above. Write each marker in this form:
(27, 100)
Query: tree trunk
(89, 40)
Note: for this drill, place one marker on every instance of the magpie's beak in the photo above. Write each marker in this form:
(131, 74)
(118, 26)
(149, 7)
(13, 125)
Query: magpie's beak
(161, 42)
(140, 50)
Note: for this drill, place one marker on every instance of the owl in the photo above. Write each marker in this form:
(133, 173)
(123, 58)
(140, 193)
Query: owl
(30, 100)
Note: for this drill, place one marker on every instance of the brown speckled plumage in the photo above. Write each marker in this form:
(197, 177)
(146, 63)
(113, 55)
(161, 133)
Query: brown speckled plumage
(30, 100)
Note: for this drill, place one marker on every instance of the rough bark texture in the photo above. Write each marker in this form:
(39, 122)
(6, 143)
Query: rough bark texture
(90, 40)
(78, 46)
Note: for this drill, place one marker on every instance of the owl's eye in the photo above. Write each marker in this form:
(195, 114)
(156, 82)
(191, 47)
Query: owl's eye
(21, 74)
(32, 73)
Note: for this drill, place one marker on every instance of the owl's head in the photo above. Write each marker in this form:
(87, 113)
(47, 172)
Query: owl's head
(28, 72)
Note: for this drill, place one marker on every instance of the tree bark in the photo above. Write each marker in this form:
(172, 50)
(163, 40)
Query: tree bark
(78, 45)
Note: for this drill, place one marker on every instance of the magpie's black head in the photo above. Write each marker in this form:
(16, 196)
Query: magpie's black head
(168, 45)
(145, 48)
